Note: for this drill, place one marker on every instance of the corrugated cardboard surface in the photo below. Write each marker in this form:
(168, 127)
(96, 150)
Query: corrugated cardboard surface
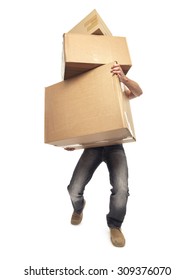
(85, 52)
(91, 24)
(87, 110)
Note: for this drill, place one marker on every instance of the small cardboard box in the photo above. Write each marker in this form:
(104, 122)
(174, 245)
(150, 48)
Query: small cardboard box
(91, 24)
(89, 110)
(85, 52)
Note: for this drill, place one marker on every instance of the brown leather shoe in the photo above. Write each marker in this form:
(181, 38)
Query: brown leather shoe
(77, 217)
(117, 237)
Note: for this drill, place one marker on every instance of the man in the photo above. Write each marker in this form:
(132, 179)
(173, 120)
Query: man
(115, 158)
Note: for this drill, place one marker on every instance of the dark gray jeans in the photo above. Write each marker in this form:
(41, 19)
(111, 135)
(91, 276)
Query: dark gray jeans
(115, 158)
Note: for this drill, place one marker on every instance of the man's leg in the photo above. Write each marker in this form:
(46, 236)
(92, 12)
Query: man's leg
(118, 169)
(87, 164)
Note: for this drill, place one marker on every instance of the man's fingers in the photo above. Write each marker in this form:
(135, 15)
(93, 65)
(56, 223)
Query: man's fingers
(69, 149)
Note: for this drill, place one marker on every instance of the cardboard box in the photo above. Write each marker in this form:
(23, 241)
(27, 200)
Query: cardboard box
(86, 52)
(89, 110)
(91, 24)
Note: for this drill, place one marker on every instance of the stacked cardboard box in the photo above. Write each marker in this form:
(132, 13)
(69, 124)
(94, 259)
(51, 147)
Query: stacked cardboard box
(89, 108)
(85, 52)
(91, 24)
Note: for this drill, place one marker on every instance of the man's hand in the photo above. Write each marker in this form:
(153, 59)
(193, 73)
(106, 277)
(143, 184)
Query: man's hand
(117, 70)
(133, 89)
(69, 149)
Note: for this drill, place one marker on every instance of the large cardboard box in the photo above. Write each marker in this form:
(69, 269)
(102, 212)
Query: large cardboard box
(85, 52)
(91, 24)
(89, 110)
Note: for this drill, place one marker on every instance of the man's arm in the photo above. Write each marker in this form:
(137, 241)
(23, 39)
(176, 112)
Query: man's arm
(133, 89)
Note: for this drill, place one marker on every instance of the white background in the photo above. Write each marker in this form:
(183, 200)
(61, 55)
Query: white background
(34, 203)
